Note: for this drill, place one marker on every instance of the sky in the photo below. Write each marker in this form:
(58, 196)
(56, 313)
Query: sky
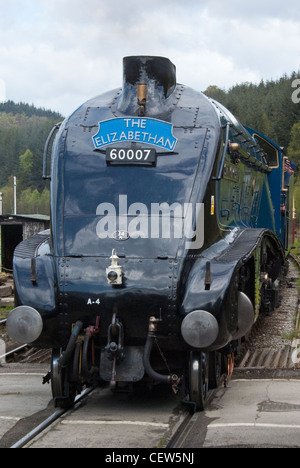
(57, 54)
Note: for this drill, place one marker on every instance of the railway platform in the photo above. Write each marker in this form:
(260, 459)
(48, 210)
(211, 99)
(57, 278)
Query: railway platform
(259, 408)
(24, 401)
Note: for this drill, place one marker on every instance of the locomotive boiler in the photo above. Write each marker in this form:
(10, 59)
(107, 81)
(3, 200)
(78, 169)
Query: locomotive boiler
(167, 239)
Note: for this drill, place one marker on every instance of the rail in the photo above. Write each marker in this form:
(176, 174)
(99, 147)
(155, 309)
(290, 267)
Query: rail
(54, 417)
(13, 351)
(297, 259)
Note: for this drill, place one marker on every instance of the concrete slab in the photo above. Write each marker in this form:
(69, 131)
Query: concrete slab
(260, 412)
(21, 394)
(255, 413)
(114, 421)
(5, 290)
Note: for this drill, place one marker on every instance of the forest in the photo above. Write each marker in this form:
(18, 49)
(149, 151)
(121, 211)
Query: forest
(271, 107)
(23, 133)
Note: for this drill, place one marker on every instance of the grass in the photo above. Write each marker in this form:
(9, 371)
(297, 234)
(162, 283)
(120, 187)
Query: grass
(296, 250)
(295, 334)
(3, 277)
(292, 335)
(4, 311)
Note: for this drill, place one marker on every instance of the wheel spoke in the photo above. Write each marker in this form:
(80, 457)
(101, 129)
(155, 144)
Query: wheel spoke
(198, 379)
(63, 391)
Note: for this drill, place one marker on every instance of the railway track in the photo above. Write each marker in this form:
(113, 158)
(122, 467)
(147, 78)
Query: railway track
(269, 351)
(273, 339)
(25, 354)
(13, 352)
(10, 348)
(296, 259)
(268, 347)
(22, 353)
(100, 419)
(50, 420)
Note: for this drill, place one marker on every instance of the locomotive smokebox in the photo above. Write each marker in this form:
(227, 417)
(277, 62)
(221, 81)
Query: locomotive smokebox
(141, 69)
(155, 76)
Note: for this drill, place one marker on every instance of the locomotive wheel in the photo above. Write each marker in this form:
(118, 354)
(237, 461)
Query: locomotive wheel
(87, 359)
(198, 378)
(63, 391)
(216, 368)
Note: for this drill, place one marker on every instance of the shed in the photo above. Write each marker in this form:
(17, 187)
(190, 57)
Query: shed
(16, 228)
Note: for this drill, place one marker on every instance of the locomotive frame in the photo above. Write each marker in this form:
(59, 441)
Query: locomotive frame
(168, 237)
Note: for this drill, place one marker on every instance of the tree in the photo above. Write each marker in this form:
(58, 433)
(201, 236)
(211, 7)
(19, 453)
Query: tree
(297, 202)
(216, 93)
(44, 205)
(8, 197)
(23, 127)
(25, 170)
(294, 146)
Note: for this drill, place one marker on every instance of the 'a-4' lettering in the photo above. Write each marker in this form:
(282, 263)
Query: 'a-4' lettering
(91, 302)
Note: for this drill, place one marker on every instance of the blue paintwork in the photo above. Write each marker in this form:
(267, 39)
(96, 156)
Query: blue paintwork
(162, 276)
(274, 184)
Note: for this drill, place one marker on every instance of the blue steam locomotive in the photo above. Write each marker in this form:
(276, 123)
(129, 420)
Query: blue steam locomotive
(170, 223)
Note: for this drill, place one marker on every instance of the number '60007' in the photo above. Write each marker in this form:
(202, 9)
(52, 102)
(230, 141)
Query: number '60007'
(130, 155)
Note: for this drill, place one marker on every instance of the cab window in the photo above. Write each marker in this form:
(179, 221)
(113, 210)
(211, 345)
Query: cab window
(270, 152)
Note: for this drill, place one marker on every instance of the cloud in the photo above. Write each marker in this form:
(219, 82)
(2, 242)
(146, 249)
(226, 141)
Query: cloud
(59, 53)
(249, 10)
(2, 91)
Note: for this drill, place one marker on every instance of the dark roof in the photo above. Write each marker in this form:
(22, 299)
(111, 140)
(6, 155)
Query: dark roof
(20, 217)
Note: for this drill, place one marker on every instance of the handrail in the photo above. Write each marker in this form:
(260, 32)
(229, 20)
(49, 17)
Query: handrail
(243, 154)
(54, 129)
(222, 162)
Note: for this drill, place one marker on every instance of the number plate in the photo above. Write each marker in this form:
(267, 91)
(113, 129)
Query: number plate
(130, 156)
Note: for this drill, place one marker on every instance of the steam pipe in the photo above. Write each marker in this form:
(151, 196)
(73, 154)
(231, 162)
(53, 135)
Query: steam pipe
(65, 358)
(166, 379)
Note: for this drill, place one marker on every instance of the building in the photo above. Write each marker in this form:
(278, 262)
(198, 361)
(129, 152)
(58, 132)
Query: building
(14, 229)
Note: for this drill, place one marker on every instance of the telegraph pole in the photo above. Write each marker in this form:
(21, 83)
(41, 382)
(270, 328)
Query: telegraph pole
(15, 195)
(1, 197)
